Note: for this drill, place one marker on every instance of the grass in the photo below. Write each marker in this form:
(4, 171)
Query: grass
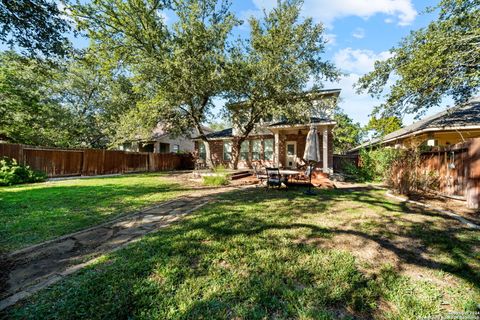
(215, 180)
(34, 213)
(257, 254)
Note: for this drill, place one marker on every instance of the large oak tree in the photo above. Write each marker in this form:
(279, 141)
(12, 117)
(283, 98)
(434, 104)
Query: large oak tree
(440, 60)
(269, 72)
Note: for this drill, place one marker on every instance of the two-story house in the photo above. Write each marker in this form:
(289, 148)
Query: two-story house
(276, 143)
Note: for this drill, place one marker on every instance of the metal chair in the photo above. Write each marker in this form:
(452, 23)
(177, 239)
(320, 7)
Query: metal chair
(274, 178)
(259, 175)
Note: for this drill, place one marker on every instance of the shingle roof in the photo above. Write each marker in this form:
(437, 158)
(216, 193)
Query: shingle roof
(465, 115)
(313, 120)
(226, 133)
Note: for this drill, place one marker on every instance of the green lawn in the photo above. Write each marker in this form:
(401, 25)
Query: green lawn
(258, 254)
(34, 213)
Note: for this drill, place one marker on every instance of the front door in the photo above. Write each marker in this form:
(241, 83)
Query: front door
(291, 154)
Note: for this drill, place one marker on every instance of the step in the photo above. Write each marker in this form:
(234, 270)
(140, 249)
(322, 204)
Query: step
(240, 174)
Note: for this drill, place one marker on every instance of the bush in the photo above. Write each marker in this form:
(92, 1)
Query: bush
(215, 180)
(13, 173)
(375, 165)
(406, 174)
(219, 177)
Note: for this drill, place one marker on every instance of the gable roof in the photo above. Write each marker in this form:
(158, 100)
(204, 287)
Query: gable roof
(465, 116)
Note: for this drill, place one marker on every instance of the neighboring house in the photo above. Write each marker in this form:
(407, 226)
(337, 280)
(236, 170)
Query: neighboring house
(275, 143)
(163, 142)
(445, 128)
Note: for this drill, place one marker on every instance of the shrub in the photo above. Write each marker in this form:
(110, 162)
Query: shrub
(219, 177)
(406, 174)
(374, 164)
(13, 173)
(215, 180)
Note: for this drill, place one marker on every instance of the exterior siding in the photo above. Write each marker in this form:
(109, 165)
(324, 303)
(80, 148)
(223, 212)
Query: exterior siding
(216, 148)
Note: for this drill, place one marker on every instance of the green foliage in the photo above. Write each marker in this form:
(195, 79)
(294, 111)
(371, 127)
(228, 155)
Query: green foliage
(434, 62)
(384, 125)
(215, 180)
(13, 173)
(72, 103)
(268, 72)
(179, 67)
(37, 26)
(374, 164)
(346, 133)
(219, 177)
(29, 112)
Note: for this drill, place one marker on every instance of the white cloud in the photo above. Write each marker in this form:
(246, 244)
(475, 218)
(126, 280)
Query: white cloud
(327, 11)
(331, 39)
(388, 20)
(359, 33)
(358, 61)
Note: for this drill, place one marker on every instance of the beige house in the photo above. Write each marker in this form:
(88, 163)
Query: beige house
(445, 128)
(162, 141)
(274, 143)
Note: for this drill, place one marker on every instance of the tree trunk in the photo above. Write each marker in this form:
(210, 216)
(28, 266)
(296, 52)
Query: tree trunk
(208, 154)
(236, 145)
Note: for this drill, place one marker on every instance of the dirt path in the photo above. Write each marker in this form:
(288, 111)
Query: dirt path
(34, 268)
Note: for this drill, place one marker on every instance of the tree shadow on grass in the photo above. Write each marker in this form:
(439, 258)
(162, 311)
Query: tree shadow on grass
(234, 258)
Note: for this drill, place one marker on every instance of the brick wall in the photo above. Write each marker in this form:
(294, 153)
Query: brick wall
(216, 147)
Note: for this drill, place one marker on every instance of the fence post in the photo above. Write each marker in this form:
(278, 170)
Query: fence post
(473, 185)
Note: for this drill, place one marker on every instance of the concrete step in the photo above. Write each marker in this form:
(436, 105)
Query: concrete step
(240, 174)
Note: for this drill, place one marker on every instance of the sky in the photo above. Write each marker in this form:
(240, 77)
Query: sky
(359, 32)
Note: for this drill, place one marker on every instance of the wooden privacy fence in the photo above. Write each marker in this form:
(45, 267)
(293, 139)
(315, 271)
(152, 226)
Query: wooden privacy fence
(457, 169)
(90, 162)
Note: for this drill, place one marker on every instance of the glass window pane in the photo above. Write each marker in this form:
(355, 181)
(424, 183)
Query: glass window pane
(290, 149)
(202, 153)
(256, 149)
(227, 150)
(244, 150)
(268, 149)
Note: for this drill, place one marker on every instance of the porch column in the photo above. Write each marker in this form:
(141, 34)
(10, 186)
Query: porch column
(276, 158)
(325, 149)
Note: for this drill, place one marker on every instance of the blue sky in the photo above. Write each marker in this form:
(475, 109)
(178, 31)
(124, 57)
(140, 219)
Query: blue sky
(359, 32)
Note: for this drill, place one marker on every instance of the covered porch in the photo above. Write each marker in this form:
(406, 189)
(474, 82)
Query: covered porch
(290, 141)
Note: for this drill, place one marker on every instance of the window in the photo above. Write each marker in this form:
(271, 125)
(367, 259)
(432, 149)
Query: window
(227, 150)
(164, 148)
(244, 150)
(256, 149)
(202, 153)
(268, 149)
(176, 148)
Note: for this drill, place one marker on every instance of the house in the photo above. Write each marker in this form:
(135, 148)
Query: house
(275, 143)
(161, 141)
(445, 128)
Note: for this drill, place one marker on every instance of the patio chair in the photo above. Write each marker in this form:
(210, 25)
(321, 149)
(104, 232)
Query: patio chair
(261, 176)
(274, 178)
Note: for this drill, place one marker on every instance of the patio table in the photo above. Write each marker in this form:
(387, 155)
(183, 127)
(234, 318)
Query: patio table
(289, 173)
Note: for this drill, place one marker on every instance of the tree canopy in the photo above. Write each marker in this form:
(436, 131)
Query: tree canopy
(69, 103)
(269, 72)
(35, 26)
(383, 125)
(440, 60)
(346, 133)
